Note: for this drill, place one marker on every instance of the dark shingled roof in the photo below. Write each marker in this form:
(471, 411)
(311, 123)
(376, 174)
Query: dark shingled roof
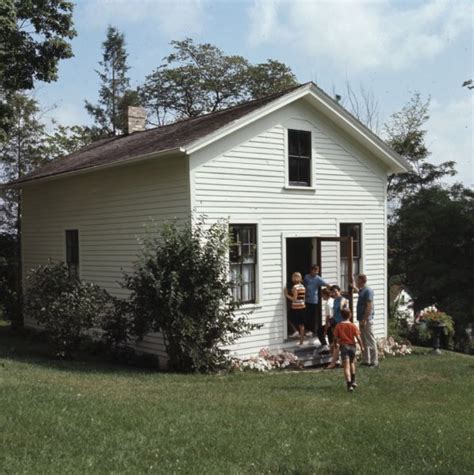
(125, 147)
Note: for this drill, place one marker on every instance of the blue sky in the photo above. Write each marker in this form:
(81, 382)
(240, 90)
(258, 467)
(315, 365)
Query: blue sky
(392, 48)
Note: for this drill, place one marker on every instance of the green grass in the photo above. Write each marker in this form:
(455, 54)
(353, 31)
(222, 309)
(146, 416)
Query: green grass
(412, 415)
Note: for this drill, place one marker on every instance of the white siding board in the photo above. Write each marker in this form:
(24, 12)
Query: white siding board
(110, 209)
(245, 177)
(241, 177)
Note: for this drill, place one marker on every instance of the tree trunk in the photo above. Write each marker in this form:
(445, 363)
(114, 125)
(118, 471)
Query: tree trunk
(17, 317)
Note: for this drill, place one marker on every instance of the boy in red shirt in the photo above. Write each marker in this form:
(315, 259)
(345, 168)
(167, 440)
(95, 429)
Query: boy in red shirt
(346, 334)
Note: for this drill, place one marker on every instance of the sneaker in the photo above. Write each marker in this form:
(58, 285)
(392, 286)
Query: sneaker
(294, 335)
(373, 365)
(350, 389)
(354, 384)
(308, 334)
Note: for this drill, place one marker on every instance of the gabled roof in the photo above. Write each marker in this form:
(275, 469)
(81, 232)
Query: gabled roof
(190, 135)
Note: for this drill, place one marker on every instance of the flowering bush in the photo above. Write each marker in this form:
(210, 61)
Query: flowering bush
(267, 361)
(391, 347)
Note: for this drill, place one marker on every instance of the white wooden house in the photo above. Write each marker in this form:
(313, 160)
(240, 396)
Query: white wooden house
(284, 170)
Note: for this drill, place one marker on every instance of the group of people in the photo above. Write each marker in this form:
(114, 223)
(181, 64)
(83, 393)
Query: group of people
(338, 327)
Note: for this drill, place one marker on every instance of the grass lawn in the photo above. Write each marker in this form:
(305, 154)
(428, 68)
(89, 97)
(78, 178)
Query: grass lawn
(412, 415)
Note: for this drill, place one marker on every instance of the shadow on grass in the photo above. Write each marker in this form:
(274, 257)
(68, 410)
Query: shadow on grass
(31, 347)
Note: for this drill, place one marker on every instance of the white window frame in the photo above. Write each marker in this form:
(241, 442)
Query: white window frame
(354, 220)
(287, 185)
(234, 220)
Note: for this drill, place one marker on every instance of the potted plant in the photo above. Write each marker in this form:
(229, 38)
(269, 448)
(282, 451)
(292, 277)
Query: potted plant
(436, 324)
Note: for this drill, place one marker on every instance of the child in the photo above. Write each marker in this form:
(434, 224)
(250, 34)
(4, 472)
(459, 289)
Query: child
(339, 303)
(298, 308)
(346, 334)
(327, 303)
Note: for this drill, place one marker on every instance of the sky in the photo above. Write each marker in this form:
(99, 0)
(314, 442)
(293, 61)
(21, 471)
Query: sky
(391, 48)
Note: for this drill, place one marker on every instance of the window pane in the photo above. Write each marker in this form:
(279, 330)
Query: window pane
(242, 258)
(293, 172)
(305, 171)
(72, 246)
(350, 230)
(293, 142)
(355, 249)
(344, 249)
(305, 144)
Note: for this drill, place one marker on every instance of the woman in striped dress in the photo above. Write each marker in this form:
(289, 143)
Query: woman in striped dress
(298, 307)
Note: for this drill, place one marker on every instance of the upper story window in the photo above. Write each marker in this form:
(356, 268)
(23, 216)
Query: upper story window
(353, 230)
(72, 252)
(243, 261)
(299, 158)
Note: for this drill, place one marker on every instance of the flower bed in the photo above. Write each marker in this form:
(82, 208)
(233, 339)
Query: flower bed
(267, 361)
(391, 347)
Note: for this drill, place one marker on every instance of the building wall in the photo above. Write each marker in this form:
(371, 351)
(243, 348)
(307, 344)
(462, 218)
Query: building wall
(242, 178)
(110, 209)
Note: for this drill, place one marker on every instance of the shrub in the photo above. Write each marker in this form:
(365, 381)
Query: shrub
(116, 323)
(180, 287)
(67, 308)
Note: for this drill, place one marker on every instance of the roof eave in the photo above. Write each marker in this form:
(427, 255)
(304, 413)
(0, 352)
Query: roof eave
(394, 162)
(81, 171)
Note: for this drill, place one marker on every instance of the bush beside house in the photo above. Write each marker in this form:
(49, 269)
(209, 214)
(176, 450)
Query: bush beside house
(179, 287)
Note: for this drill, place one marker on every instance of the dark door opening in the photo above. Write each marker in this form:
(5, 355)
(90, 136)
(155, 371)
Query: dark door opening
(302, 252)
(299, 253)
(299, 257)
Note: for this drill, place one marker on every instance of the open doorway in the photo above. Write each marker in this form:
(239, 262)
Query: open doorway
(300, 255)
(302, 252)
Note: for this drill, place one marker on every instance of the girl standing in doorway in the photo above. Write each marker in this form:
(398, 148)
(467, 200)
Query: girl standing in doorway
(298, 307)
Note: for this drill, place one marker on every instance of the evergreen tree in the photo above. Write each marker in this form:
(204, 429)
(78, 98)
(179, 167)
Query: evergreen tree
(114, 94)
(64, 139)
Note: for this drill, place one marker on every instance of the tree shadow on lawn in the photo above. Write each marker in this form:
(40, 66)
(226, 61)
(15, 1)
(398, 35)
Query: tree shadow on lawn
(31, 347)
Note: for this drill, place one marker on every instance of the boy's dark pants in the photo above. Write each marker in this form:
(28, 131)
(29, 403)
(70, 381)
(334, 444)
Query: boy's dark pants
(314, 320)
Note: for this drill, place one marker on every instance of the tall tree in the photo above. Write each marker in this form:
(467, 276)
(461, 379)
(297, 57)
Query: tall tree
(431, 248)
(199, 78)
(114, 94)
(34, 37)
(21, 152)
(406, 135)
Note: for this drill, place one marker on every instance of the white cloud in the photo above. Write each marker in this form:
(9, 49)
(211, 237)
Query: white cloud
(171, 18)
(363, 34)
(264, 21)
(450, 135)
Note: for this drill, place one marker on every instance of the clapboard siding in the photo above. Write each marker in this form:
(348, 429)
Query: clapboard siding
(240, 177)
(245, 182)
(110, 209)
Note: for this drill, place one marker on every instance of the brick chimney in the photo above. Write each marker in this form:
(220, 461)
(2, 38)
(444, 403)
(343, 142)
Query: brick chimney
(136, 117)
